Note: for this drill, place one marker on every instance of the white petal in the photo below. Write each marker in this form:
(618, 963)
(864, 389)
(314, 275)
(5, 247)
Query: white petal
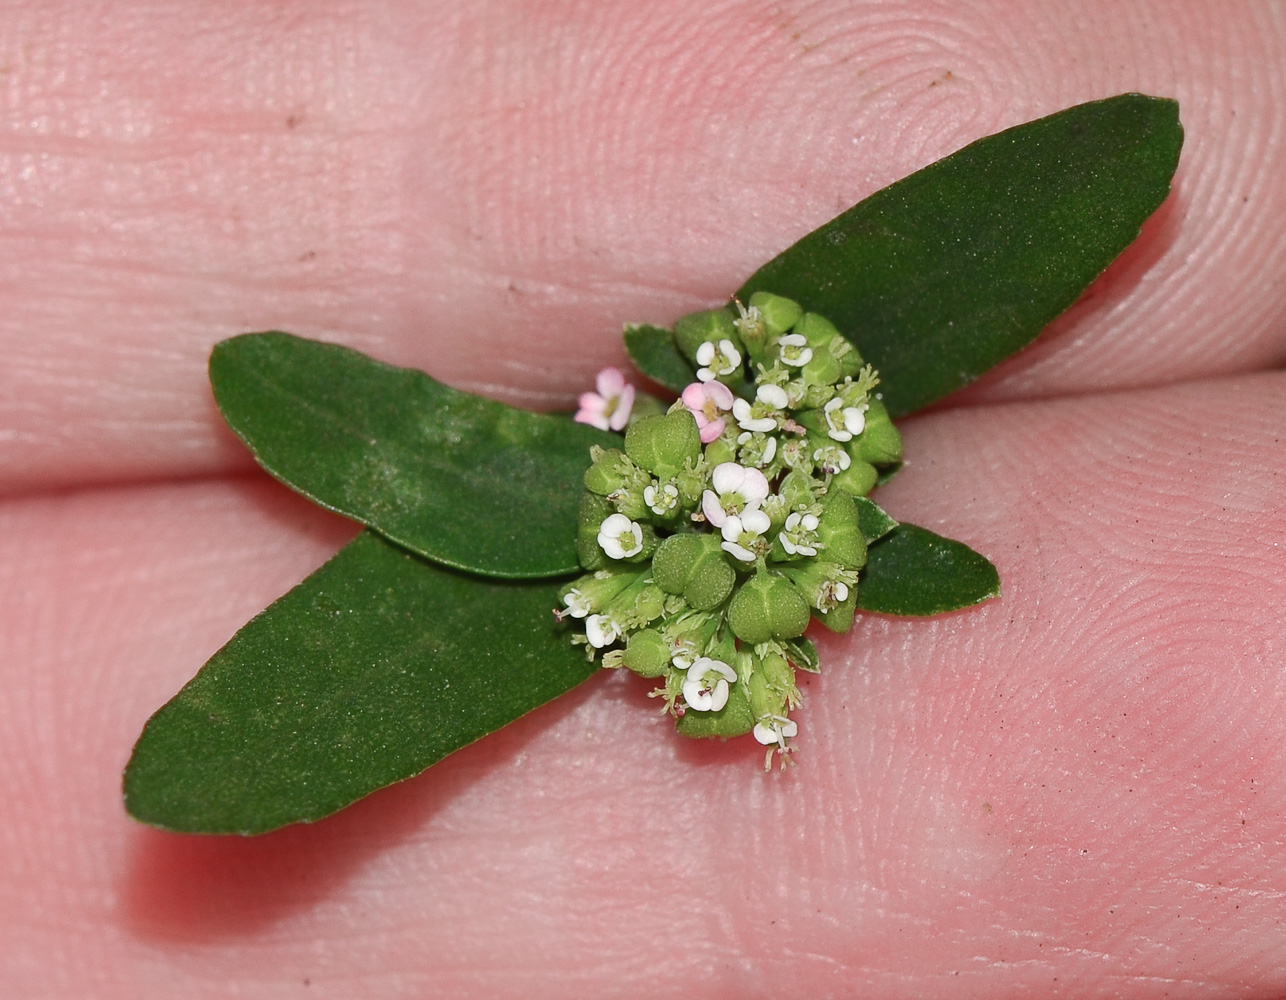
(841, 591)
(792, 521)
(712, 509)
(755, 487)
(790, 728)
(773, 395)
(719, 696)
(737, 552)
(731, 528)
(600, 631)
(755, 521)
(854, 420)
(809, 521)
(765, 734)
(727, 477)
(770, 450)
(705, 353)
(696, 696)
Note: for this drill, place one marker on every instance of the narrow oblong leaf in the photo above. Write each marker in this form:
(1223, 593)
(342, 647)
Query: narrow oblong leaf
(654, 353)
(912, 571)
(376, 666)
(940, 276)
(463, 480)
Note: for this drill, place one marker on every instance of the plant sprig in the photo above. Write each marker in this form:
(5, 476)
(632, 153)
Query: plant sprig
(432, 628)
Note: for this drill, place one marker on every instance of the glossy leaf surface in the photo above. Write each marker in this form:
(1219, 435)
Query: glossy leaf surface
(942, 275)
(463, 480)
(376, 666)
(654, 354)
(912, 571)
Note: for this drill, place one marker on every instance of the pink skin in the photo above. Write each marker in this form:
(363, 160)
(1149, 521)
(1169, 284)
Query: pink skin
(707, 401)
(1072, 791)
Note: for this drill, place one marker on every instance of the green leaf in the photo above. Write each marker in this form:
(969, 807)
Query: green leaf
(655, 355)
(463, 480)
(944, 274)
(912, 571)
(872, 520)
(373, 668)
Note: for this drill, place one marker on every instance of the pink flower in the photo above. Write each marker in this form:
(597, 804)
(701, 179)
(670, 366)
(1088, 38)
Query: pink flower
(609, 408)
(708, 401)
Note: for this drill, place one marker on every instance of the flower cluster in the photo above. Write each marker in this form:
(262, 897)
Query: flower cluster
(723, 525)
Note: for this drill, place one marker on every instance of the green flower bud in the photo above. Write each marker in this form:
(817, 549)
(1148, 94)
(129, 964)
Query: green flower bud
(663, 445)
(823, 369)
(695, 329)
(779, 313)
(692, 483)
(648, 654)
(857, 480)
(637, 606)
(591, 594)
(880, 443)
(689, 636)
(605, 475)
(768, 606)
(694, 566)
(817, 330)
(765, 698)
(593, 511)
(720, 450)
(797, 490)
(850, 361)
(839, 533)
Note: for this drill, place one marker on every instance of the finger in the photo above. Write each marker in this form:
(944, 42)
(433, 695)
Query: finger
(488, 193)
(1072, 789)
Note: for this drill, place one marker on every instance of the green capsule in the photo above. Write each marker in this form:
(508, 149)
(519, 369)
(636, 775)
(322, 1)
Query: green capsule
(767, 606)
(765, 698)
(839, 532)
(663, 445)
(648, 654)
(694, 566)
(779, 312)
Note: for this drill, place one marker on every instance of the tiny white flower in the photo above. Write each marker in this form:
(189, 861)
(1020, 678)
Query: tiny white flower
(578, 605)
(843, 423)
(620, 537)
(706, 688)
(746, 419)
(773, 395)
(717, 360)
(757, 450)
(797, 536)
(736, 488)
(601, 631)
(775, 729)
(661, 501)
(832, 458)
(742, 536)
(795, 350)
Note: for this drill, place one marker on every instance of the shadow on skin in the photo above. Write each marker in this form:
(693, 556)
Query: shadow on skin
(192, 888)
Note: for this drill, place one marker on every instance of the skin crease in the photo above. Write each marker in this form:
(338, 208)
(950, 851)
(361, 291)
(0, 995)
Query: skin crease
(1074, 790)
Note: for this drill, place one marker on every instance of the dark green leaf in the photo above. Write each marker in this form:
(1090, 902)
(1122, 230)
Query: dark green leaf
(942, 275)
(375, 667)
(872, 519)
(466, 481)
(654, 353)
(912, 571)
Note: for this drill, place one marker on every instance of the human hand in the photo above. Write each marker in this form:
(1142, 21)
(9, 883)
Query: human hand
(1071, 790)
